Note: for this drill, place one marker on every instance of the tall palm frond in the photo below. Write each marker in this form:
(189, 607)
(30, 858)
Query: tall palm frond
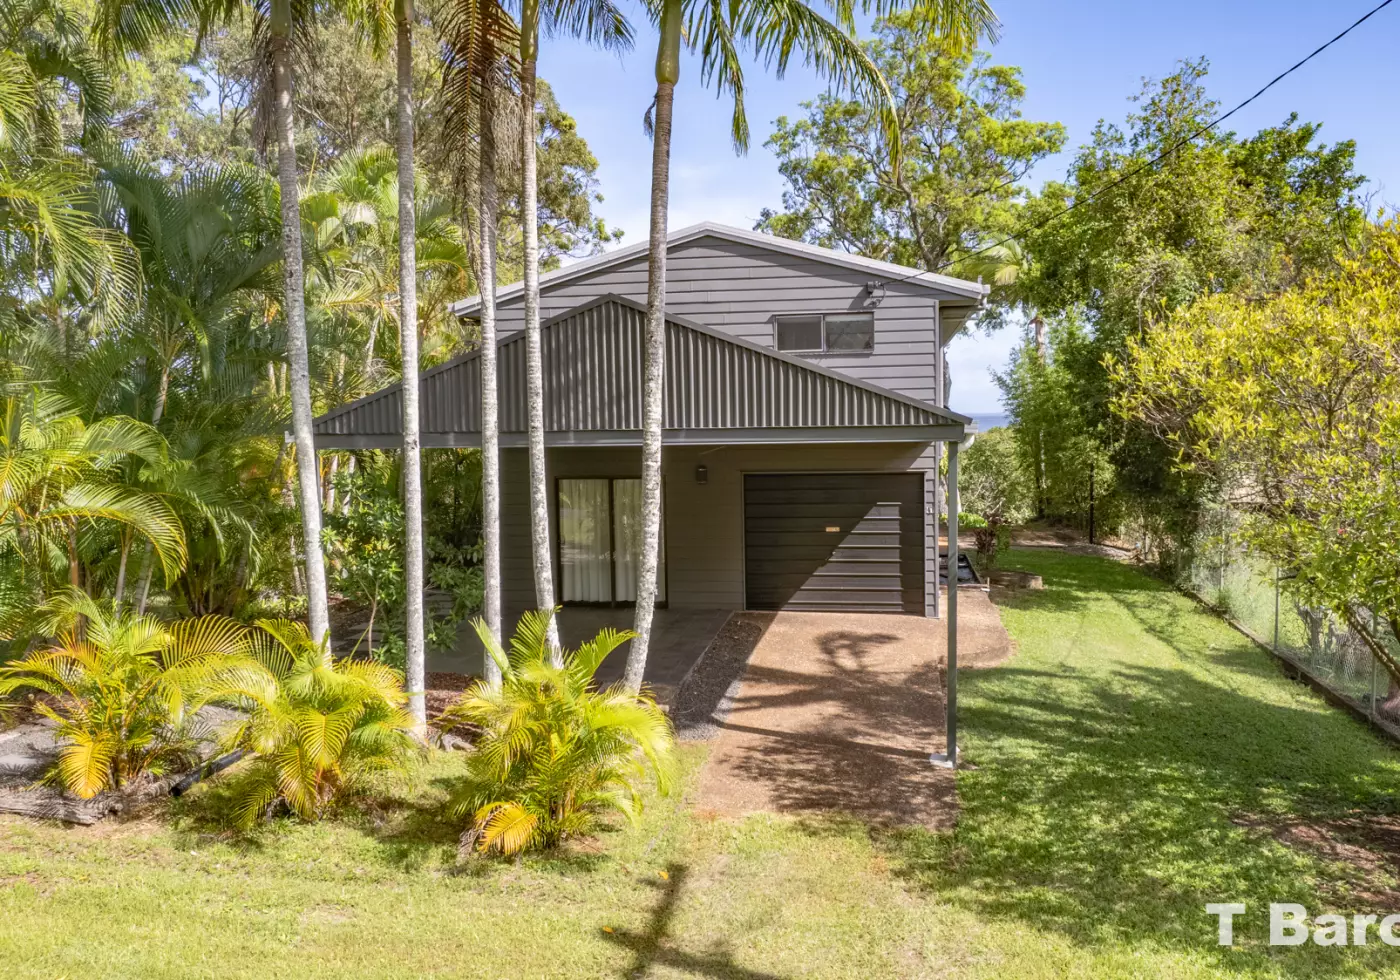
(58, 475)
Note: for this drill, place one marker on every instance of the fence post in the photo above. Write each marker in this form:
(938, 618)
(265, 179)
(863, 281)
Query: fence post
(1373, 687)
(1276, 589)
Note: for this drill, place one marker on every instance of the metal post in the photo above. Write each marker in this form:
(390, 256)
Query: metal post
(1091, 500)
(1373, 686)
(1276, 591)
(940, 399)
(949, 759)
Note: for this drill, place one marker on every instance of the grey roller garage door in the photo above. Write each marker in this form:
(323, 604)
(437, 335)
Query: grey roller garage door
(836, 542)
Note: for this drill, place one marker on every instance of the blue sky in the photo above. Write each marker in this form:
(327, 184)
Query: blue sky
(1081, 62)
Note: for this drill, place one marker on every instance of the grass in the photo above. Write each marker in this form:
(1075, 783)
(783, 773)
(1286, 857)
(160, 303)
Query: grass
(1114, 755)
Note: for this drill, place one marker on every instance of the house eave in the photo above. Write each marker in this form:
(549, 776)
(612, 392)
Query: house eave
(919, 434)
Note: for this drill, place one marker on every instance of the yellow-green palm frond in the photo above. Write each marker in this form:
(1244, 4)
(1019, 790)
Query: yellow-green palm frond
(553, 752)
(85, 764)
(506, 827)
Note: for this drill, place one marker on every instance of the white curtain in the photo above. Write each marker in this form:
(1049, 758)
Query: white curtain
(583, 540)
(627, 539)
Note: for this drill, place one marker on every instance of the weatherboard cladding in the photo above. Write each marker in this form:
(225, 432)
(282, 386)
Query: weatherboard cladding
(738, 288)
(592, 362)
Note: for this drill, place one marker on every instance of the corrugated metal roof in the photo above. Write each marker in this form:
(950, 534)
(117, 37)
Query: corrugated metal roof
(592, 358)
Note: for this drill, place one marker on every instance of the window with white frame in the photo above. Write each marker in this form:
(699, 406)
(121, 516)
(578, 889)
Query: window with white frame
(822, 332)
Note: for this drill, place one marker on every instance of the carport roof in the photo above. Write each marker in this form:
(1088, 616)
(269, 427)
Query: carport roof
(719, 389)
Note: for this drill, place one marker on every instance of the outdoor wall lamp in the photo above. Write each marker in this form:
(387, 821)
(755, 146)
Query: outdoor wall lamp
(702, 475)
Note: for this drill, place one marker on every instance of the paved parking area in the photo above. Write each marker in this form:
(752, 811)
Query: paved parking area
(839, 712)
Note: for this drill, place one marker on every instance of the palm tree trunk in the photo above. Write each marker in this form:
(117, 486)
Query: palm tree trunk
(490, 420)
(119, 592)
(415, 676)
(318, 611)
(148, 566)
(534, 369)
(331, 471)
(654, 367)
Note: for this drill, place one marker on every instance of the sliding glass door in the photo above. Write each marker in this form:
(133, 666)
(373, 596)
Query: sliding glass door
(600, 541)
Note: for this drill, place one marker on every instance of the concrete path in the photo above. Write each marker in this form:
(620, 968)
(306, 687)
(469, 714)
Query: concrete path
(839, 712)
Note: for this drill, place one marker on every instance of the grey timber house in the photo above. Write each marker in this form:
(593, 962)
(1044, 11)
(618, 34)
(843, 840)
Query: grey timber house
(804, 419)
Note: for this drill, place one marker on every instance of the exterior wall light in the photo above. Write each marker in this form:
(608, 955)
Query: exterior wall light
(702, 475)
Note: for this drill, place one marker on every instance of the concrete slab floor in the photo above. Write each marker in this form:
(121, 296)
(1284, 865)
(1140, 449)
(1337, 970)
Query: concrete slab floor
(679, 637)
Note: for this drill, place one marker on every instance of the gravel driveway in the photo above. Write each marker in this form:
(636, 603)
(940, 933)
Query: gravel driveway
(838, 713)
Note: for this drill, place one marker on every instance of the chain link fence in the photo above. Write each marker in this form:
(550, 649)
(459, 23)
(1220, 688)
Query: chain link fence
(1255, 596)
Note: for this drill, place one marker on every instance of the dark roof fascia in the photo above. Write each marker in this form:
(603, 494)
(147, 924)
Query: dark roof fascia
(918, 434)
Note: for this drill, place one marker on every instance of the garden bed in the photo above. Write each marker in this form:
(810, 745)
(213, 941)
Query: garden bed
(29, 749)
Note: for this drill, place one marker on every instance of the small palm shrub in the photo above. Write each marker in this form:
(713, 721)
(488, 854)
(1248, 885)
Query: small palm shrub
(123, 690)
(316, 725)
(554, 752)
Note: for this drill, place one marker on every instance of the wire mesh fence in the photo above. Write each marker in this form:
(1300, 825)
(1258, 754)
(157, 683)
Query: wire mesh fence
(1256, 596)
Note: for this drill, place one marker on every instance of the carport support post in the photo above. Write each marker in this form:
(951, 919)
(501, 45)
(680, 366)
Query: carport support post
(949, 759)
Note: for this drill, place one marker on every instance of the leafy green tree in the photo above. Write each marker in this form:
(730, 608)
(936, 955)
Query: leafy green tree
(1221, 215)
(1053, 432)
(965, 153)
(364, 542)
(992, 485)
(1290, 407)
(554, 752)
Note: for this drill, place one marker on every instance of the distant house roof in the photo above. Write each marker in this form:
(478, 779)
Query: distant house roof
(719, 389)
(886, 272)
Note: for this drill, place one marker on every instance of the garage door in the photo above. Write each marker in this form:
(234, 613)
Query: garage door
(838, 542)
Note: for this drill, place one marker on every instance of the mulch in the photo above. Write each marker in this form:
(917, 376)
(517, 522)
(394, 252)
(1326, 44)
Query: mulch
(442, 691)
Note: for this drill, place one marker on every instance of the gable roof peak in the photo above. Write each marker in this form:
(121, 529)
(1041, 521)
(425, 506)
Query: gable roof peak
(971, 292)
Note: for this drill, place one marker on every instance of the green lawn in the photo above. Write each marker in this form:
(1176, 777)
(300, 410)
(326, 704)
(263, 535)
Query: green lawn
(1114, 753)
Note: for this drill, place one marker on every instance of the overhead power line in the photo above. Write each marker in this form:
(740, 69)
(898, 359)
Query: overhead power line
(1150, 164)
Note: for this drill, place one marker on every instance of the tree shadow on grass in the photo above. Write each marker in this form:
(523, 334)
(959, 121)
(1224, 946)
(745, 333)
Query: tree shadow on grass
(1107, 802)
(650, 946)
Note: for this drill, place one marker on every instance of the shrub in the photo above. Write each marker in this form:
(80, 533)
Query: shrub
(123, 690)
(554, 752)
(992, 483)
(316, 725)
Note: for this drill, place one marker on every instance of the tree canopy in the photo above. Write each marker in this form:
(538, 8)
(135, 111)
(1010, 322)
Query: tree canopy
(1290, 406)
(966, 151)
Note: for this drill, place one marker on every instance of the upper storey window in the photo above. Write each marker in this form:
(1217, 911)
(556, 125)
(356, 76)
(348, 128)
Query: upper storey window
(819, 332)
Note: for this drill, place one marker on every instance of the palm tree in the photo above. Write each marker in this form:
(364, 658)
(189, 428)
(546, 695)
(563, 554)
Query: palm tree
(207, 243)
(60, 478)
(126, 25)
(555, 752)
(122, 689)
(481, 37)
(598, 22)
(58, 259)
(774, 29)
(416, 678)
(316, 724)
(371, 17)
